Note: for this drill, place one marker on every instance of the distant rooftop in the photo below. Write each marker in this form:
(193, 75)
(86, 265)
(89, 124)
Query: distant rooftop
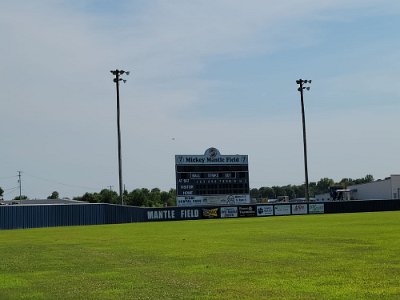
(41, 202)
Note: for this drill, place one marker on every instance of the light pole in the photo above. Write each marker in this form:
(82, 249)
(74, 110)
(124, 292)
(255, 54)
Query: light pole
(20, 186)
(117, 73)
(301, 83)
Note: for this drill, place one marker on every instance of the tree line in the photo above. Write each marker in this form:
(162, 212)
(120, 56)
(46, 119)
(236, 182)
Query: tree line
(157, 198)
(138, 197)
(298, 191)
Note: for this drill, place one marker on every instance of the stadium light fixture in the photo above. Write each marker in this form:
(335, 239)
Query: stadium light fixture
(117, 73)
(301, 83)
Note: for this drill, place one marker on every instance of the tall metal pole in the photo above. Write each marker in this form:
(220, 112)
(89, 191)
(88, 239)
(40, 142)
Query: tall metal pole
(20, 186)
(121, 194)
(300, 89)
(117, 79)
(304, 143)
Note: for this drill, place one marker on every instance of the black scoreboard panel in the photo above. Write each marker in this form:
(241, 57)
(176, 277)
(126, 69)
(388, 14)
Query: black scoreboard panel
(196, 180)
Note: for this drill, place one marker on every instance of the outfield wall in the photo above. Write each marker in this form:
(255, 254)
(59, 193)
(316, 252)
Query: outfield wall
(268, 210)
(209, 212)
(34, 216)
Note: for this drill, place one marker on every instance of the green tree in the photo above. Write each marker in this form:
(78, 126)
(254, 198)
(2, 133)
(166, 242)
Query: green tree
(172, 197)
(254, 193)
(89, 197)
(290, 191)
(278, 191)
(345, 182)
(108, 196)
(136, 198)
(54, 195)
(266, 192)
(1, 192)
(164, 198)
(368, 178)
(299, 191)
(155, 198)
(323, 185)
(312, 188)
(23, 197)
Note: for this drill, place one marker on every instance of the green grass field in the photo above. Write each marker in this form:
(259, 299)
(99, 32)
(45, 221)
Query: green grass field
(342, 256)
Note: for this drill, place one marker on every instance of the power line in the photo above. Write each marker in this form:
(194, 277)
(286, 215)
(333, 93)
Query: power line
(11, 191)
(12, 188)
(8, 177)
(61, 183)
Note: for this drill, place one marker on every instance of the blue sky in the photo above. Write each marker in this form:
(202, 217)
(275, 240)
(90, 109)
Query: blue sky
(204, 73)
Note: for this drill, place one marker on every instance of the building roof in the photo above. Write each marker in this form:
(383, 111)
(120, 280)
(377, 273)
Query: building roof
(41, 202)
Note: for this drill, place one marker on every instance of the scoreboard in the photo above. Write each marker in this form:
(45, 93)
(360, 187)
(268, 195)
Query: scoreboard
(212, 179)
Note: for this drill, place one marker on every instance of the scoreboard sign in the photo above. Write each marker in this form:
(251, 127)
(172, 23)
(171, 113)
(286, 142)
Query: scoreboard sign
(212, 179)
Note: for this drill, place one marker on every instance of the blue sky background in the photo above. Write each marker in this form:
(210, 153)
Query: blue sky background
(204, 73)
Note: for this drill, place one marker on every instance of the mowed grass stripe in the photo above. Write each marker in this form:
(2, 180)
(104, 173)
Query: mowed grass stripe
(341, 256)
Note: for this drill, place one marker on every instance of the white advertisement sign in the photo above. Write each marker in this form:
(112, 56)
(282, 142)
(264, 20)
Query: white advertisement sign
(316, 208)
(238, 199)
(189, 201)
(212, 200)
(299, 209)
(229, 212)
(265, 210)
(281, 210)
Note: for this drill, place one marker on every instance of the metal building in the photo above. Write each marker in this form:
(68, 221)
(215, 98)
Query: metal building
(382, 189)
(388, 188)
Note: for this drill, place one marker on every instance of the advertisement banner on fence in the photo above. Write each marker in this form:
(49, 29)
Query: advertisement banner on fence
(229, 212)
(316, 208)
(189, 201)
(172, 214)
(211, 200)
(281, 210)
(210, 213)
(265, 210)
(247, 211)
(299, 209)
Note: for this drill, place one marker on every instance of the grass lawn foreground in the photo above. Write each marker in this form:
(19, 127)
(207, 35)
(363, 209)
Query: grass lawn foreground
(338, 256)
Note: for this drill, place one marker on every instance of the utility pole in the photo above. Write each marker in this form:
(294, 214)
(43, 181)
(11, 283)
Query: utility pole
(20, 185)
(117, 73)
(301, 83)
(110, 188)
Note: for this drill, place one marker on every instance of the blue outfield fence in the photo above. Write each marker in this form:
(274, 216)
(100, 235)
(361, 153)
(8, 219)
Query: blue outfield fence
(34, 216)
